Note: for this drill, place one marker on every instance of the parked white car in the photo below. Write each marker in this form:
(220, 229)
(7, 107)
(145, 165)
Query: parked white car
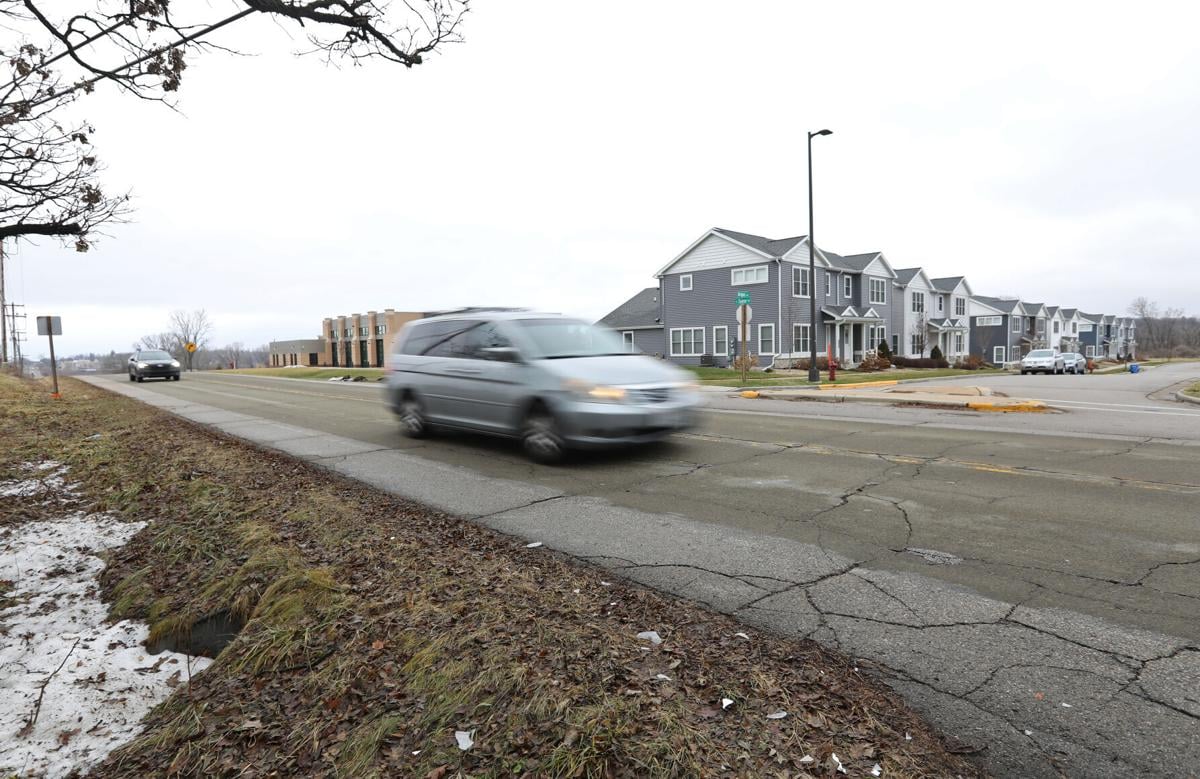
(1074, 362)
(1042, 361)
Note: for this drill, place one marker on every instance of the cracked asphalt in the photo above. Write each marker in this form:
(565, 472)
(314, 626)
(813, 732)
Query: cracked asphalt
(1033, 592)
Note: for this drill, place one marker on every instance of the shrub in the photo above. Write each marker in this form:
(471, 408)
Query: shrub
(972, 362)
(916, 362)
(936, 354)
(883, 350)
(872, 363)
(802, 365)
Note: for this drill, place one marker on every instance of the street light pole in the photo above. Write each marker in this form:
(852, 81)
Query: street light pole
(814, 375)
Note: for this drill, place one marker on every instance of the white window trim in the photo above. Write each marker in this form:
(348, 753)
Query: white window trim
(1016, 323)
(803, 271)
(685, 287)
(671, 341)
(1090, 351)
(797, 331)
(941, 304)
(960, 343)
(989, 321)
(960, 303)
(628, 344)
(999, 353)
(913, 302)
(724, 329)
(759, 341)
(847, 286)
(828, 284)
(746, 269)
(871, 292)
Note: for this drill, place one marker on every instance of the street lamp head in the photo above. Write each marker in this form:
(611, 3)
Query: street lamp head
(823, 132)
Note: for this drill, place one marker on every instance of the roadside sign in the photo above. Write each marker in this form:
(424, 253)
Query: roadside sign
(191, 347)
(49, 325)
(744, 313)
(743, 298)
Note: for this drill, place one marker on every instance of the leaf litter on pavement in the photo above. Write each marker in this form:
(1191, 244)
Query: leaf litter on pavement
(380, 636)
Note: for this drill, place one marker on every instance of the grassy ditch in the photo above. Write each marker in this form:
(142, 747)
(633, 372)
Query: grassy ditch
(374, 629)
(1194, 391)
(317, 374)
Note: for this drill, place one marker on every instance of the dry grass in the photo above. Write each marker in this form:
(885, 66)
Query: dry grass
(375, 629)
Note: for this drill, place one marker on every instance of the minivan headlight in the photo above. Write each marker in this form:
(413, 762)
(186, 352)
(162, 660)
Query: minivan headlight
(597, 393)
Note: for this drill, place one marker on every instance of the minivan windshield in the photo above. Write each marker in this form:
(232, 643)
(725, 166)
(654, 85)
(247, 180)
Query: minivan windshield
(154, 356)
(556, 339)
(1041, 353)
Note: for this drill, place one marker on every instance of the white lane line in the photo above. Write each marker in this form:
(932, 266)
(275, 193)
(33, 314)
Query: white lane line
(275, 390)
(1114, 405)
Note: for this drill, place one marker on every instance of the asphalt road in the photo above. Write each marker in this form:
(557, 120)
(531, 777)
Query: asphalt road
(1031, 583)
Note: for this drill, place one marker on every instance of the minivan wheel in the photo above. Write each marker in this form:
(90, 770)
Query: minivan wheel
(131, 377)
(412, 418)
(541, 437)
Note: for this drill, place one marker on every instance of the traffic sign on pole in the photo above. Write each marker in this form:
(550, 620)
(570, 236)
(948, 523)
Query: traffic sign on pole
(744, 311)
(743, 298)
(51, 326)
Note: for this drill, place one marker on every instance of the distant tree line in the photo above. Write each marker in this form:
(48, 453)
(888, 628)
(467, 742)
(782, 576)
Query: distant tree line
(1165, 332)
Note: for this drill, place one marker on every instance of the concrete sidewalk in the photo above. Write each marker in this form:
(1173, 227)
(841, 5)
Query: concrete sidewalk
(959, 397)
(1033, 692)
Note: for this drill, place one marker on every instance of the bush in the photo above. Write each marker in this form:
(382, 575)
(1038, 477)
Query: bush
(936, 354)
(884, 351)
(918, 362)
(872, 363)
(971, 362)
(802, 365)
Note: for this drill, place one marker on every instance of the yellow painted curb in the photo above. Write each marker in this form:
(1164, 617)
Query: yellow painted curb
(859, 385)
(1023, 406)
(749, 394)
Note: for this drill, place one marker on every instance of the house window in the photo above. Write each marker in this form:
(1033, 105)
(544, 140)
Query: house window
(958, 343)
(895, 343)
(685, 283)
(721, 340)
(1091, 351)
(828, 284)
(1016, 324)
(1056, 328)
(800, 285)
(847, 286)
(941, 304)
(687, 341)
(766, 339)
(918, 302)
(917, 347)
(627, 340)
(960, 306)
(801, 339)
(998, 355)
(1041, 326)
(1074, 328)
(878, 291)
(988, 321)
(754, 275)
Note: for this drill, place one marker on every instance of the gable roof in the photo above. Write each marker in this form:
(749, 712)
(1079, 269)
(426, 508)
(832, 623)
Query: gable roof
(1052, 311)
(1007, 305)
(641, 310)
(776, 247)
(948, 283)
(859, 262)
(905, 276)
(1030, 308)
(1069, 313)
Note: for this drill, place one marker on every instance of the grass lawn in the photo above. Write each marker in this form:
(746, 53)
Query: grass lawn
(1194, 391)
(727, 377)
(374, 629)
(319, 374)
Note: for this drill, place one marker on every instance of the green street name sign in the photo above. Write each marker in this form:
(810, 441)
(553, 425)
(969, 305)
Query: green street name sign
(743, 298)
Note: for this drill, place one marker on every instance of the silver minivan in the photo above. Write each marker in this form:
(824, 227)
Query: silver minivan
(551, 381)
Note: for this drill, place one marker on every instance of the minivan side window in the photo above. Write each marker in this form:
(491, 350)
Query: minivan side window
(487, 336)
(444, 338)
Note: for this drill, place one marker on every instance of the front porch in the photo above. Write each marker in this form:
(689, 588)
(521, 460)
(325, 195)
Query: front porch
(950, 336)
(850, 335)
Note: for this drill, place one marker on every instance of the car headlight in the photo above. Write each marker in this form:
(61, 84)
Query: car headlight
(174, 363)
(142, 365)
(597, 393)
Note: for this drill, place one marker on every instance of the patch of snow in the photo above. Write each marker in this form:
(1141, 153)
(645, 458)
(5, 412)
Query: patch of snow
(107, 681)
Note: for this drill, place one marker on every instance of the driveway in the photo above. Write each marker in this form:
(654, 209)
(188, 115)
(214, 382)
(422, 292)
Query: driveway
(1034, 593)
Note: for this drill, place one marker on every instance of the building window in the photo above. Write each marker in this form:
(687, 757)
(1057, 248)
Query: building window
(380, 329)
(721, 340)
(998, 355)
(801, 339)
(960, 306)
(878, 290)
(958, 343)
(349, 332)
(941, 303)
(1074, 328)
(685, 283)
(755, 275)
(918, 302)
(362, 331)
(333, 335)
(627, 339)
(1041, 326)
(917, 347)
(847, 286)
(687, 341)
(800, 285)
(988, 321)
(1056, 328)
(895, 343)
(766, 339)
(828, 284)
(1016, 324)
(1091, 351)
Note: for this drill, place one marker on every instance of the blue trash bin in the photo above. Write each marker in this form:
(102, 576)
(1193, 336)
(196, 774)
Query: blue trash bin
(1134, 368)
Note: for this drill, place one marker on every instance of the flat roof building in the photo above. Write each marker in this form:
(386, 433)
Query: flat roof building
(362, 340)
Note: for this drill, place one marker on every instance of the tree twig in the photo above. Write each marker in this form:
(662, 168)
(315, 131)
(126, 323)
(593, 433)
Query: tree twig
(37, 708)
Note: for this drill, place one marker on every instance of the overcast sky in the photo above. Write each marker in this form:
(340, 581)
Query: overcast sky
(566, 151)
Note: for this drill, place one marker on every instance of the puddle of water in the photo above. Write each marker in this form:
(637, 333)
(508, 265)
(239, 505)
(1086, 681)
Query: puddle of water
(206, 638)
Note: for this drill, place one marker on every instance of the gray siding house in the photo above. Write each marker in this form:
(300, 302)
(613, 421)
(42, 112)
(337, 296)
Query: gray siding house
(930, 312)
(998, 329)
(639, 321)
(699, 286)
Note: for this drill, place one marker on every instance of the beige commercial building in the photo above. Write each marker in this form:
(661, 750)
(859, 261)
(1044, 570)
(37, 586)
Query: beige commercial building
(362, 340)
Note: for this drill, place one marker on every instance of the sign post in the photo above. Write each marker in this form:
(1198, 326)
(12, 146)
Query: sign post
(51, 326)
(191, 349)
(744, 314)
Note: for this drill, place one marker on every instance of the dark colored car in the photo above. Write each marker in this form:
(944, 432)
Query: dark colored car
(153, 364)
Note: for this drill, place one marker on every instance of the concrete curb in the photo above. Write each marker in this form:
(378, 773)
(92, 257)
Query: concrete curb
(886, 382)
(968, 402)
(1186, 398)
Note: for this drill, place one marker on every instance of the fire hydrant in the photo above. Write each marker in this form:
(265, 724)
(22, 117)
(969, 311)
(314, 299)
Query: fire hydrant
(833, 370)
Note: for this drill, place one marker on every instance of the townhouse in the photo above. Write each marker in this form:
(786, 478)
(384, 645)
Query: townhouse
(861, 301)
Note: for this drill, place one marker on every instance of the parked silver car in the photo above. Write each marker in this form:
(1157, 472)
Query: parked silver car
(551, 381)
(1042, 361)
(1074, 362)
